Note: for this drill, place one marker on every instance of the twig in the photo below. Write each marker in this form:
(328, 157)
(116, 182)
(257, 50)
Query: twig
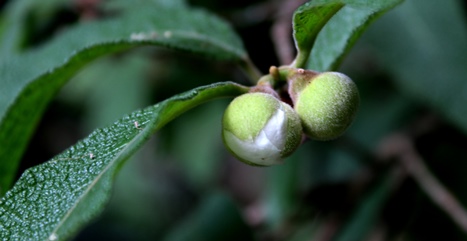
(282, 29)
(283, 44)
(250, 70)
(401, 146)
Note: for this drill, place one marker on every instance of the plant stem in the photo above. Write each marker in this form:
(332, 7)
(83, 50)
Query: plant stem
(301, 60)
(250, 70)
(438, 193)
(401, 146)
(282, 29)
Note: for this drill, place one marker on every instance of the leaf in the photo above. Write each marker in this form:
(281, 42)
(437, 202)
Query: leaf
(31, 80)
(327, 163)
(381, 112)
(342, 31)
(12, 25)
(122, 5)
(217, 218)
(127, 76)
(308, 20)
(17, 18)
(282, 186)
(55, 199)
(198, 161)
(18, 15)
(425, 50)
(335, 25)
(369, 210)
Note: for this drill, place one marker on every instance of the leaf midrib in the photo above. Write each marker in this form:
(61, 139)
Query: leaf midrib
(145, 133)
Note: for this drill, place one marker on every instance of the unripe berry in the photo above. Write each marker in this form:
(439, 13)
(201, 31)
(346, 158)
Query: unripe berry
(261, 130)
(325, 102)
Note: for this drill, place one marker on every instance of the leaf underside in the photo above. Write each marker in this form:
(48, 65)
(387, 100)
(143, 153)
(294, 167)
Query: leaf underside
(55, 199)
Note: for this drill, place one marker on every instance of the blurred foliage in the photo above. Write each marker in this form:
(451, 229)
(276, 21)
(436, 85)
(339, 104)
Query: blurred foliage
(410, 66)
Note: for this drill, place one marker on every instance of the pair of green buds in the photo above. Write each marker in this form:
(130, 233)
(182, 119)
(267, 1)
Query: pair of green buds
(267, 124)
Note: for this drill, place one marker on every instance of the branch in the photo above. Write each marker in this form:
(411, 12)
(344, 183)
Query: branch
(282, 31)
(401, 147)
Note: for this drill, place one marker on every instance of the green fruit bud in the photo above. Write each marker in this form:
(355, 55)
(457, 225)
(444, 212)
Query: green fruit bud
(326, 103)
(261, 130)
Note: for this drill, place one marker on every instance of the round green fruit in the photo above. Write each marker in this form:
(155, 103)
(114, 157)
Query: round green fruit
(326, 104)
(261, 130)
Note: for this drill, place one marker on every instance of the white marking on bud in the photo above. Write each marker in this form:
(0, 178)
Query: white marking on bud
(266, 148)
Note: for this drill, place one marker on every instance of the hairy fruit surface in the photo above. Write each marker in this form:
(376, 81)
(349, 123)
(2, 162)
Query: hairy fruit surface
(326, 103)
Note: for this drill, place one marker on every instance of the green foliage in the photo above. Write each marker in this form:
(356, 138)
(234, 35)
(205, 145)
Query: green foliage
(216, 209)
(437, 63)
(30, 80)
(409, 68)
(308, 21)
(339, 22)
(80, 179)
(343, 30)
(362, 221)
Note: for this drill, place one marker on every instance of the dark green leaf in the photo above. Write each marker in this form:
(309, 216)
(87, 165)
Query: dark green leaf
(425, 49)
(216, 219)
(123, 5)
(326, 163)
(128, 78)
(281, 196)
(55, 199)
(343, 20)
(198, 160)
(30, 81)
(381, 112)
(342, 31)
(12, 26)
(17, 16)
(308, 20)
